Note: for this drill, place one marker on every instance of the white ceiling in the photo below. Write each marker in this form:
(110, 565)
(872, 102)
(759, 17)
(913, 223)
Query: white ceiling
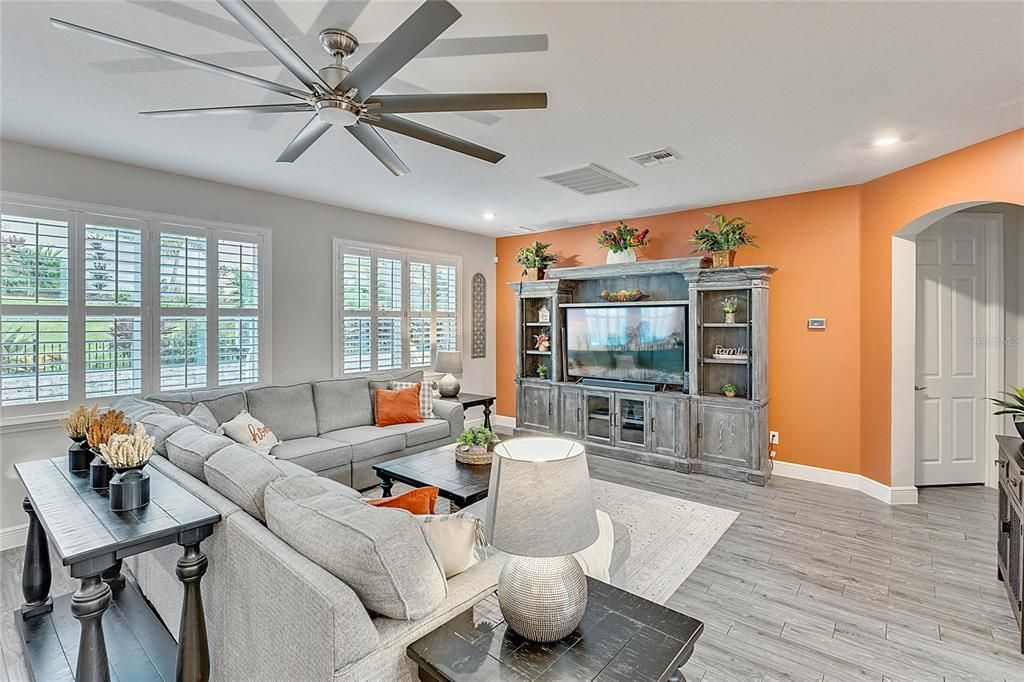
(760, 99)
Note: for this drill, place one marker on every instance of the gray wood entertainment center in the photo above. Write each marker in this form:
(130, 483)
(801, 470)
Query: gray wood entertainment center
(693, 427)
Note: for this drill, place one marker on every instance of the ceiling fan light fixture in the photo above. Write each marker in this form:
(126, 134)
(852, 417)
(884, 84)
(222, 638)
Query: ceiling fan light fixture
(337, 112)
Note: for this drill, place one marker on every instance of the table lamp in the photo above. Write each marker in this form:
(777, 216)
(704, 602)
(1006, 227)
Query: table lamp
(449, 362)
(540, 509)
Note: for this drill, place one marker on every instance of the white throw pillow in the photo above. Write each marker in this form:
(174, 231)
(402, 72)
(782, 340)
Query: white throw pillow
(201, 416)
(596, 560)
(251, 432)
(426, 396)
(454, 539)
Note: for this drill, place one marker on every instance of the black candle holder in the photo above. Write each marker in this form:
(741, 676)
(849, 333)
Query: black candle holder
(79, 456)
(100, 473)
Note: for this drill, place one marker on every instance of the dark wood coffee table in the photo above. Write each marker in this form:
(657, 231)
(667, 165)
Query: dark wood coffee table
(623, 638)
(461, 484)
(476, 400)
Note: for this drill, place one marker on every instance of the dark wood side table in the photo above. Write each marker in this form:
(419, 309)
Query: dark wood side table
(476, 400)
(93, 541)
(461, 484)
(623, 637)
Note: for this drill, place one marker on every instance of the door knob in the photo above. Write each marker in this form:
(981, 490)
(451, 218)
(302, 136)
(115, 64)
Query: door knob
(918, 388)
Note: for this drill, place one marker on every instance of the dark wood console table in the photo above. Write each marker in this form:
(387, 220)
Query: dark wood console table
(93, 541)
(476, 400)
(1010, 542)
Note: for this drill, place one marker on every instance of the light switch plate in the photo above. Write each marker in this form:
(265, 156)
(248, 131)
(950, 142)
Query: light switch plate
(816, 323)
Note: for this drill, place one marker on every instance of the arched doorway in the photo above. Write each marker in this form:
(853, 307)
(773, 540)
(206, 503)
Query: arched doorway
(906, 470)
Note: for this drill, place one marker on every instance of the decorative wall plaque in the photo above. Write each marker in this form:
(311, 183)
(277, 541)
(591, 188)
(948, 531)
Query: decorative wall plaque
(479, 344)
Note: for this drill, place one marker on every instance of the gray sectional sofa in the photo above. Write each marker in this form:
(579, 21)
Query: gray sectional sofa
(274, 610)
(325, 426)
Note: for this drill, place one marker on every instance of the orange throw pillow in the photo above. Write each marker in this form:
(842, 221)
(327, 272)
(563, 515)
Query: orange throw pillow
(417, 501)
(397, 407)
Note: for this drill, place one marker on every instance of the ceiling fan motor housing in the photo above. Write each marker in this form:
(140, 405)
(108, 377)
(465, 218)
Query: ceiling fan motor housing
(337, 111)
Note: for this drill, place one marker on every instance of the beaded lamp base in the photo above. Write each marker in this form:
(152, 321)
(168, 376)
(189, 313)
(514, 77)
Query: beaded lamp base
(542, 599)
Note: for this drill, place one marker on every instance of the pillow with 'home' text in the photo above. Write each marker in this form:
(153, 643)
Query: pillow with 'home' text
(251, 432)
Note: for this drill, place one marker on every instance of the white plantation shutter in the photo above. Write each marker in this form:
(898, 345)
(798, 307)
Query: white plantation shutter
(182, 353)
(113, 355)
(238, 350)
(238, 322)
(182, 271)
(394, 309)
(34, 359)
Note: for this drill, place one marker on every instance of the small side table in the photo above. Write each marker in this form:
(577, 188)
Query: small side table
(93, 541)
(623, 637)
(476, 400)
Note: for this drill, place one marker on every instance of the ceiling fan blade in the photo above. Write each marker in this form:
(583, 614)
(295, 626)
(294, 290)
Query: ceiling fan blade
(269, 38)
(408, 104)
(404, 126)
(309, 134)
(398, 49)
(372, 140)
(244, 109)
(180, 59)
(179, 10)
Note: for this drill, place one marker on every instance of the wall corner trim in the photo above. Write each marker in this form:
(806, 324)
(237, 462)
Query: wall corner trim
(13, 537)
(843, 479)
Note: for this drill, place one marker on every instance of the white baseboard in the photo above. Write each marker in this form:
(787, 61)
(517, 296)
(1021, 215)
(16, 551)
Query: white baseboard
(497, 421)
(13, 536)
(843, 479)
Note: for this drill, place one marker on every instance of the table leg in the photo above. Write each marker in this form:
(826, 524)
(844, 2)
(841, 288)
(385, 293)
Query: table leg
(112, 576)
(35, 575)
(193, 647)
(386, 484)
(87, 605)
(487, 415)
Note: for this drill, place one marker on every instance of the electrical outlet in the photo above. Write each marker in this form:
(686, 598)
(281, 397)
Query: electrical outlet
(773, 437)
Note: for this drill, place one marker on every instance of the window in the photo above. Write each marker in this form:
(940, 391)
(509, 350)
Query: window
(97, 306)
(393, 309)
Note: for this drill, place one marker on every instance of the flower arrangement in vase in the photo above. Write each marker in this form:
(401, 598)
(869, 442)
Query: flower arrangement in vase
(729, 306)
(622, 242)
(111, 423)
(77, 425)
(721, 237)
(542, 342)
(127, 454)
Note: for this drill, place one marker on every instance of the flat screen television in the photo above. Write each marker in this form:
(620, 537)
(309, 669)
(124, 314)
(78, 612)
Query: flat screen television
(631, 343)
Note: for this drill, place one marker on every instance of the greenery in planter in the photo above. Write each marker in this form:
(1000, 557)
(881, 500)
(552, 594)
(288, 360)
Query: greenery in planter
(535, 256)
(477, 436)
(542, 370)
(722, 234)
(730, 304)
(1014, 406)
(729, 389)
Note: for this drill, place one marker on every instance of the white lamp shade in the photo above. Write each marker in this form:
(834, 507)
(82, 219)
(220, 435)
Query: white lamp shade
(539, 502)
(448, 362)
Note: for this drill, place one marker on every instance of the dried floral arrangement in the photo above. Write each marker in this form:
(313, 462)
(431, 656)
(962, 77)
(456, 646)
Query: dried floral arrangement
(109, 424)
(126, 451)
(78, 422)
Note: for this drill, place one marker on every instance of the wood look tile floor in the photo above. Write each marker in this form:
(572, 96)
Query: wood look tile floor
(810, 583)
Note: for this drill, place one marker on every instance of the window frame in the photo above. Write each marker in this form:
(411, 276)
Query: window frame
(376, 250)
(77, 214)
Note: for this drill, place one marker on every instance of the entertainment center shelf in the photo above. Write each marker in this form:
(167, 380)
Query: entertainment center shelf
(644, 385)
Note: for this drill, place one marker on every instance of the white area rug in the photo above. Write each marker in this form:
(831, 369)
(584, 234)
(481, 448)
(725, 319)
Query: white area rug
(668, 537)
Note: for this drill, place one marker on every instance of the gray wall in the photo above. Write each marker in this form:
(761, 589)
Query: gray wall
(301, 266)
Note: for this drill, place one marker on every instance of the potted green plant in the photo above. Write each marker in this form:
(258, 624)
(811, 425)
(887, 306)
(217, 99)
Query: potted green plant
(535, 259)
(721, 237)
(1014, 406)
(474, 445)
(622, 243)
(729, 390)
(729, 306)
(542, 371)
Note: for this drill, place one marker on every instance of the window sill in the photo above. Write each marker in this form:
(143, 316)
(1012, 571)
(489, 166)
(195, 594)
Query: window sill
(31, 422)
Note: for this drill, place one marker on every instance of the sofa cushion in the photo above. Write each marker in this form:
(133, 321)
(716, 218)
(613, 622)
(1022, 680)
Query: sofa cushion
(179, 402)
(400, 406)
(242, 475)
(202, 417)
(225, 404)
(287, 410)
(384, 379)
(190, 447)
(382, 554)
(422, 432)
(160, 425)
(369, 441)
(135, 408)
(341, 403)
(315, 454)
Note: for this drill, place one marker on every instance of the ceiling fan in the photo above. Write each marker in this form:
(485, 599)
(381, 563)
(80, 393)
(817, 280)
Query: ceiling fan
(340, 96)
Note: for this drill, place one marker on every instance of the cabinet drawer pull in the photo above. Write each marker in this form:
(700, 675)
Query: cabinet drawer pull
(1006, 526)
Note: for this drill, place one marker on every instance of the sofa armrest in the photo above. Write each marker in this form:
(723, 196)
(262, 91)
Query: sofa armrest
(453, 412)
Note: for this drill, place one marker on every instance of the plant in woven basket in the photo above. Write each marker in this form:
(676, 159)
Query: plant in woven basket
(112, 422)
(721, 237)
(477, 436)
(128, 451)
(535, 259)
(78, 422)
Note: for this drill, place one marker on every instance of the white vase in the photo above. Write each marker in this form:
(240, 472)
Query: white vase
(627, 256)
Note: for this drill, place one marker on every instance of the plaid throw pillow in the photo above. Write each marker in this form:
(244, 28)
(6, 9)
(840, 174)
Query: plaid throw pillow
(426, 396)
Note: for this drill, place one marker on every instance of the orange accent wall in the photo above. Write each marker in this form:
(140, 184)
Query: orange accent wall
(829, 389)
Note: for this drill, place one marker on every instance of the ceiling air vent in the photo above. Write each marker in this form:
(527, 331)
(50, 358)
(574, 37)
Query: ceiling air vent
(518, 230)
(656, 158)
(590, 179)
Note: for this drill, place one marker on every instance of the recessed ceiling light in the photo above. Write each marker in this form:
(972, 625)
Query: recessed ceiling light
(885, 141)
(489, 215)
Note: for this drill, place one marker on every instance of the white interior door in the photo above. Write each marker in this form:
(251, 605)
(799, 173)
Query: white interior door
(951, 353)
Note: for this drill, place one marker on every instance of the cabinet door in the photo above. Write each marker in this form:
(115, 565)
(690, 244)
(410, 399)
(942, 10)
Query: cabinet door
(726, 435)
(631, 425)
(569, 412)
(535, 408)
(597, 417)
(666, 433)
